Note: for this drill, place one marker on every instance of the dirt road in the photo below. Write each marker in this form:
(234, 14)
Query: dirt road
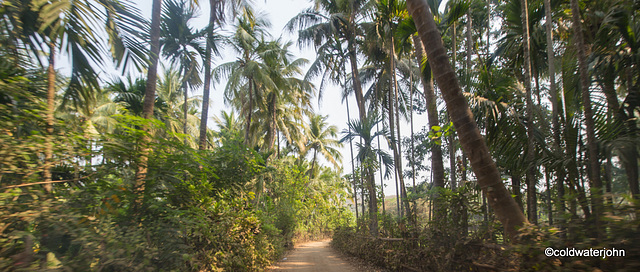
(314, 256)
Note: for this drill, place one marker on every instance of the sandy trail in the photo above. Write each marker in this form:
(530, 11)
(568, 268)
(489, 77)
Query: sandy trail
(314, 256)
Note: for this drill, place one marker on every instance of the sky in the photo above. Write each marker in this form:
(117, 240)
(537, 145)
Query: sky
(279, 13)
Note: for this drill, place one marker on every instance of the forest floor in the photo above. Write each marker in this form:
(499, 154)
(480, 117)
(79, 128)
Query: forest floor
(319, 256)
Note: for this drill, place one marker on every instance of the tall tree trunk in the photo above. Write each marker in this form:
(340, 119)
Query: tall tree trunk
(532, 209)
(413, 157)
(51, 107)
(403, 189)
(437, 165)
(271, 140)
(555, 101)
(472, 141)
(394, 148)
(185, 109)
(247, 124)
(592, 146)
(149, 99)
(384, 209)
(353, 168)
(451, 138)
(204, 118)
(357, 86)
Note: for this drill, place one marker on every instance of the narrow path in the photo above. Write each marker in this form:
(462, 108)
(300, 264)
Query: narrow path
(314, 256)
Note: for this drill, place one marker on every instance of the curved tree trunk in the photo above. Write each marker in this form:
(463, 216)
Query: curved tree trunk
(592, 145)
(472, 141)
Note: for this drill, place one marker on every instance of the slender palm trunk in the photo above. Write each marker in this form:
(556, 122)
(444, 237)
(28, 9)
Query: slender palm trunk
(530, 176)
(149, 99)
(413, 157)
(451, 138)
(185, 109)
(384, 209)
(51, 94)
(353, 168)
(202, 140)
(396, 115)
(437, 164)
(313, 164)
(555, 113)
(391, 119)
(273, 125)
(592, 145)
(357, 86)
(472, 141)
(247, 125)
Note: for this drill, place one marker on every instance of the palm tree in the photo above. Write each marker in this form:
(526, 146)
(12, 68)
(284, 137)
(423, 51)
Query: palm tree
(328, 26)
(532, 211)
(182, 45)
(368, 157)
(42, 26)
(592, 145)
(320, 138)
(149, 98)
(290, 100)
(248, 74)
(472, 141)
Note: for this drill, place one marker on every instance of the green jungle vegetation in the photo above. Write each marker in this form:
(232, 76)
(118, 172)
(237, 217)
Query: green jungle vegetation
(532, 136)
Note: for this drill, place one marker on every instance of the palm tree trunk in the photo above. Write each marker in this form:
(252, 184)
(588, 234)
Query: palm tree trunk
(51, 94)
(271, 139)
(560, 175)
(532, 209)
(472, 141)
(384, 209)
(592, 146)
(247, 125)
(149, 99)
(202, 140)
(353, 168)
(403, 189)
(357, 86)
(185, 109)
(437, 165)
(313, 164)
(413, 157)
(392, 134)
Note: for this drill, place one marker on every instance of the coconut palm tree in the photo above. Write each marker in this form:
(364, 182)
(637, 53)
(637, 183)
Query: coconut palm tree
(48, 26)
(320, 138)
(248, 74)
(330, 25)
(217, 10)
(472, 141)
